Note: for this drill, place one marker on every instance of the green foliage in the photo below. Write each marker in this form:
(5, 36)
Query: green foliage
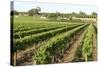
(34, 31)
(87, 43)
(34, 11)
(55, 47)
(29, 40)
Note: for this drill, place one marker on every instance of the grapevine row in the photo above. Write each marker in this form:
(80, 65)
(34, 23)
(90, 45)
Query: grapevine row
(55, 47)
(20, 44)
(87, 43)
(34, 31)
(24, 27)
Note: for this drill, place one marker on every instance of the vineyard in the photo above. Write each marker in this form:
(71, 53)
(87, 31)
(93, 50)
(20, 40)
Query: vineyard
(47, 42)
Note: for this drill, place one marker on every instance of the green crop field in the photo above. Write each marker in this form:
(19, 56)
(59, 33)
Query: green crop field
(47, 41)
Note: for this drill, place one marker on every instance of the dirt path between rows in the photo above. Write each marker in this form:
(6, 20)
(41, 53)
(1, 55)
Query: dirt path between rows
(94, 48)
(70, 53)
(25, 57)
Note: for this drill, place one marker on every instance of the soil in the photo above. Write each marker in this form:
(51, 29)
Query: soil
(70, 53)
(94, 48)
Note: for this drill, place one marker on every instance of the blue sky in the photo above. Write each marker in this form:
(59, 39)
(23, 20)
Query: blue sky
(53, 7)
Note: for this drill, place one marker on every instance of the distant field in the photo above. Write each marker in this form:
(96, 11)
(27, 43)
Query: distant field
(31, 19)
(45, 41)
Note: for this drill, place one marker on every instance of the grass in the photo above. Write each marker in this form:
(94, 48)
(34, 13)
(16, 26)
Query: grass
(37, 19)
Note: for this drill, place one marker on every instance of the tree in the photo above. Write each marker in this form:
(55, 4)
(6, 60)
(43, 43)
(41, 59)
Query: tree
(34, 11)
(94, 15)
(82, 14)
(53, 15)
(39, 9)
(74, 14)
(57, 14)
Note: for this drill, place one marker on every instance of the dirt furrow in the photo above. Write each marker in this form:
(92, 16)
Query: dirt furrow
(70, 53)
(94, 48)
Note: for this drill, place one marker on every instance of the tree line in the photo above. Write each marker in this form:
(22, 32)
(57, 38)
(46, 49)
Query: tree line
(37, 11)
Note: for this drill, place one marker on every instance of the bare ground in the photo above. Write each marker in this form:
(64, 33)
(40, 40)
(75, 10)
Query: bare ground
(25, 57)
(70, 53)
(94, 48)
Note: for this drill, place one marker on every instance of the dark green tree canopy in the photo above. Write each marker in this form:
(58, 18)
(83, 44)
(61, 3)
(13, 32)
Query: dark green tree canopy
(34, 11)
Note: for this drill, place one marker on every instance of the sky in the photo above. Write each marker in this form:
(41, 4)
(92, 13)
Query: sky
(53, 7)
